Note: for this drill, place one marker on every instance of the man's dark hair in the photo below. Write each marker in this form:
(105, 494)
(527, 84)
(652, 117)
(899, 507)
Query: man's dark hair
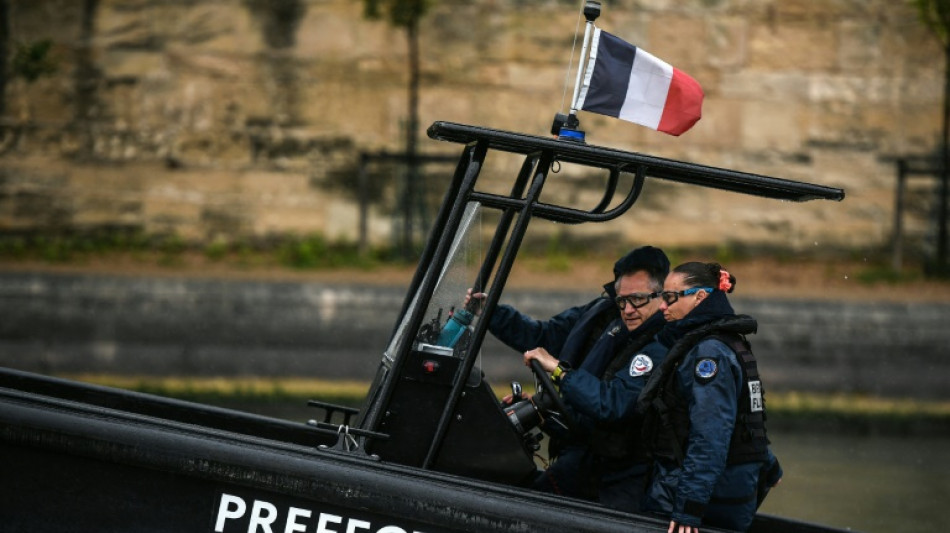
(650, 259)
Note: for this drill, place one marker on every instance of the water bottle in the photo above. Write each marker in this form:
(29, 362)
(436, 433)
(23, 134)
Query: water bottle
(454, 328)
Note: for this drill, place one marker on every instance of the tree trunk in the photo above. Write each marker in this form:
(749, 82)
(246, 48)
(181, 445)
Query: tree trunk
(4, 53)
(412, 127)
(86, 79)
(941, 266)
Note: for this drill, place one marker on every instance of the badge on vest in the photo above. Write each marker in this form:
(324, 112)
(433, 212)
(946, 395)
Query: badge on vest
(755, 396)
(706, 370)
(640, 365)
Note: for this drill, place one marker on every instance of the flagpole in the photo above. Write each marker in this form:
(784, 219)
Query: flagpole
(591, 12)
(565, 126)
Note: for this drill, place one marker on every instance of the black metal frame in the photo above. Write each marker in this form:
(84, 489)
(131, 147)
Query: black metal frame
(517, 209)
(911, 167)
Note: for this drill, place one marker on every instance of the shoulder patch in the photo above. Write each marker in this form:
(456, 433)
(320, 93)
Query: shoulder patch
(641, 365)
(706, 370)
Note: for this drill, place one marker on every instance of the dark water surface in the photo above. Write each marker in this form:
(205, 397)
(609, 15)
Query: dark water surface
(876, 484)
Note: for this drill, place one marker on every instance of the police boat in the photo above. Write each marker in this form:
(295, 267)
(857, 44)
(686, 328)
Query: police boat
(432, 449)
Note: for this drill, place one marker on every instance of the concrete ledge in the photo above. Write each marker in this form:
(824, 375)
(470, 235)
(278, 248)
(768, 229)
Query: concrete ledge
(57, 324)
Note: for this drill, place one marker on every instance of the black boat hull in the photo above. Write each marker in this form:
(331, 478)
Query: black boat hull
(85, 458)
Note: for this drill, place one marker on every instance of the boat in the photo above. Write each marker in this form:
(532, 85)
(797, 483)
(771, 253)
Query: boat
(432, 448)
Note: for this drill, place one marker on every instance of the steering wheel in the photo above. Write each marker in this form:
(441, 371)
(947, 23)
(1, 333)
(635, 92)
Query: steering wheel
(552, 402)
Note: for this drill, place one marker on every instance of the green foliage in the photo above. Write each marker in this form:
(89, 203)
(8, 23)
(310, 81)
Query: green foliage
(307, 252)
(314, 252)
(399, 13)
(725, 254)
(875, 274)
(63, 248)
(172, 244)
(557, 255)
(217, 250)
(13, 247)
(32, 61)
(858, 413)
(935, 14)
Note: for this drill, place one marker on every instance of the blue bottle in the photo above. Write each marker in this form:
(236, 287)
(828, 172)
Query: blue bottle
(454, 328)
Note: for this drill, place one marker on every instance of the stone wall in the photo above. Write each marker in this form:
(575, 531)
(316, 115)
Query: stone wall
(230, 118)
(67, 324)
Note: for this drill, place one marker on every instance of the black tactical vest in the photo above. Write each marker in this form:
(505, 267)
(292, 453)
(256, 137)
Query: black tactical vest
(620, 441)
(666, 413)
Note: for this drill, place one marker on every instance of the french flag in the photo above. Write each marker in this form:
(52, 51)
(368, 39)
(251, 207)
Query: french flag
(628, 83)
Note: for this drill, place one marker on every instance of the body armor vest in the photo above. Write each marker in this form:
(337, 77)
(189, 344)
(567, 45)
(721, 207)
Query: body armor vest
(620, 441)
(666, 413)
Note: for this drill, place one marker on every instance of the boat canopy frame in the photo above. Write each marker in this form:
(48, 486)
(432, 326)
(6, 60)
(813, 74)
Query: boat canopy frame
(542, 156)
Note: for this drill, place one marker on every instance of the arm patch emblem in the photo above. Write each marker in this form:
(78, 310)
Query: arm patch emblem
(641, 364)
(706, 370)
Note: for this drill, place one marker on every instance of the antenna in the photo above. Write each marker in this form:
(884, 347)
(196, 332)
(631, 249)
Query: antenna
(565, 126)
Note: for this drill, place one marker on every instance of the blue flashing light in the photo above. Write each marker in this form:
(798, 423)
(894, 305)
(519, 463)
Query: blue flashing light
(567, 134)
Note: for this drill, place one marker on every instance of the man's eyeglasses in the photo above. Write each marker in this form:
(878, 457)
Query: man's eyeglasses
(670, 297)
(637, 299)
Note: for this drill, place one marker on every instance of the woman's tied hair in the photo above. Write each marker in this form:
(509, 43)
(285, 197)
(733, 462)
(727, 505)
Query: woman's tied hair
(696, 274)
(725, 281)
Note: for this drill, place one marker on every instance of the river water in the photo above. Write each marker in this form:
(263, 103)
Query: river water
(876, 484)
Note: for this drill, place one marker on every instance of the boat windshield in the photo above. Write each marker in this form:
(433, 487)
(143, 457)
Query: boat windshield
(447, 326)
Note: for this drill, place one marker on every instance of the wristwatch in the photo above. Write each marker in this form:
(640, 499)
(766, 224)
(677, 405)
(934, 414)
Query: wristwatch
(560, 371)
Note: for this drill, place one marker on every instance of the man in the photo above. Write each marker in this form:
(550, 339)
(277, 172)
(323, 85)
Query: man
(603, 341)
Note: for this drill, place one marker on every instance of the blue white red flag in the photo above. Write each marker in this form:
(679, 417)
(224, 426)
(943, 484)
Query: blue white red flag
(629, 83)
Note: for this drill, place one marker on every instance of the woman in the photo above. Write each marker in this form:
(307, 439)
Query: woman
(704, 408)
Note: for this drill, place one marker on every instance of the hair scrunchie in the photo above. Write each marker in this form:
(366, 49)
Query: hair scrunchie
(724, 283)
